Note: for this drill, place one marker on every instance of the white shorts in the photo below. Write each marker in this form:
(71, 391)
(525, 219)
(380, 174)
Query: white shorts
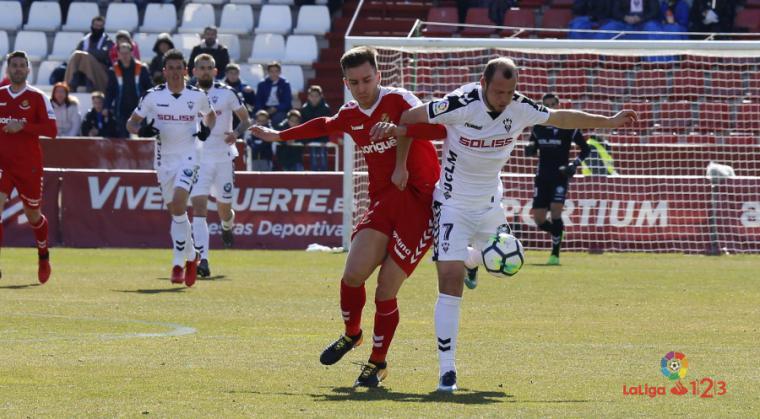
(217, 179)
(176, 172)
(454, 229)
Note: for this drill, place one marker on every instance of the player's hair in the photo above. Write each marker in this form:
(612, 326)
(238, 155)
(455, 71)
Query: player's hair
(97, 18)
(232, 66)
(97, 93)
(262, 112)
(550, 96)
(315, 88)
(67, 99)
(294, 112)
(357, 56)
(17, 54)
(505, 65)
(174, 54)
(205, 57)
(274, 64)
(210, 28)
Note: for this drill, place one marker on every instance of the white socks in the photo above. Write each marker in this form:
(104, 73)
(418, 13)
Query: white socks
(447, 330)
(200, 236)
(227, 225)
(473, 258)
(182, 240)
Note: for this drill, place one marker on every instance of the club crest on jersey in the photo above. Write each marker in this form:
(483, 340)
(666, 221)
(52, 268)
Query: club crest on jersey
(24, 105)
(507, 124)
(187, 172)
(190, 104)
(227, 187)
(440, 107)
(445, 247)
(385, 118)
(214, 99)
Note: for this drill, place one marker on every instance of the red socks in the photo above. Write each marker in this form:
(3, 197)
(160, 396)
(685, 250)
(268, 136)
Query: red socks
(352, 301)
(386, 321)
(41, 235)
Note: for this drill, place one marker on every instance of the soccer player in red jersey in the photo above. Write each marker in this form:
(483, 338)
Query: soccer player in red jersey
(25, 115)
(395, 231)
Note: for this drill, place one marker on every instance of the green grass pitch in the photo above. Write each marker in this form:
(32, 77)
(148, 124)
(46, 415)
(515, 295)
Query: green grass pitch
(110, 336)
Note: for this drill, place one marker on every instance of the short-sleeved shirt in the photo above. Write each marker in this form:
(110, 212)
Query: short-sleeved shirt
(478, 144)
(225, 100)
(176, 116)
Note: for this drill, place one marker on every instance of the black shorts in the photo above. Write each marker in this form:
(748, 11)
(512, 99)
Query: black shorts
(548, 192)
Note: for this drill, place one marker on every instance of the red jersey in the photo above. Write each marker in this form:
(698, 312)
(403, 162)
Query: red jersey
(32, 107)
(381, 155)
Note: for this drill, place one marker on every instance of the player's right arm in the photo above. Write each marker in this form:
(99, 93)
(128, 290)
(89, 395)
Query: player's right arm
(531, 149)
(317, 127)
(141, 111)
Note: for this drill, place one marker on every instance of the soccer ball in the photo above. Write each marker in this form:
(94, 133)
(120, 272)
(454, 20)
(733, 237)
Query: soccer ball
(503, 255)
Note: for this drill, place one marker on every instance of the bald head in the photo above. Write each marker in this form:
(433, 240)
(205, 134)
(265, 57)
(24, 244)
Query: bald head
(502, 66)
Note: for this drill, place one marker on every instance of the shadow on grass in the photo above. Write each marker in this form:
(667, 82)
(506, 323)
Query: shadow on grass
(19, 287)
(543, 264)
(155, 291)
(463, 396)
(214, 278)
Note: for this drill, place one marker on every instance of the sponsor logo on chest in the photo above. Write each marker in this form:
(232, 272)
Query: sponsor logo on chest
(485, 143)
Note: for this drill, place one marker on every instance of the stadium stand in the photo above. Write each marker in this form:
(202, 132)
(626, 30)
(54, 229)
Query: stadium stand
(275, 19)
(195, 17)
(79, 16)
(159, 18)
(11, 15)
(236, 19)
(121, 16)
(44, 16)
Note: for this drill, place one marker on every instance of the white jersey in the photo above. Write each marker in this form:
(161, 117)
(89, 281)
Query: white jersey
(176, 116)
(478, 144)
(225, 101)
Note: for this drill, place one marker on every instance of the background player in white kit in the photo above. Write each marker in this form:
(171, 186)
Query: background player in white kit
(218, 152)
(483, 121)
(172, 111)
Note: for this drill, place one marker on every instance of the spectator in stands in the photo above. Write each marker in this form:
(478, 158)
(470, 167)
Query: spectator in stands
(273, 94)
(123, 36)
(290, 153)
(66, 108)
(261, 151)
(674, 17)
(163, 43)
(128, 81)
(464, 5)
(632, 15)
(233, 80)
(589, 14)
(98, 122)
(498, 8)
(209, 45)
(713, 15)
(90, 60)
(316, 107)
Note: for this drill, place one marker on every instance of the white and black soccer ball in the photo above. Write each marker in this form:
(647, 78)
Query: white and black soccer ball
(504, 255)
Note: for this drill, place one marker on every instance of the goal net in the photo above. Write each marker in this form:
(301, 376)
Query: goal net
(645, 187)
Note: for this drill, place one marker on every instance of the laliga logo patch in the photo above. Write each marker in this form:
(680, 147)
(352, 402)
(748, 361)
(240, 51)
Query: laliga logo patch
(440, 107)
(24, 105)
(190, 105)
(560, 189)
(227, 187)
(507, 124)
(187, 172)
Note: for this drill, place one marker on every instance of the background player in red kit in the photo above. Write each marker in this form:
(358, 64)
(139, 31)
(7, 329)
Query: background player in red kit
(395, 232)
(25, 115)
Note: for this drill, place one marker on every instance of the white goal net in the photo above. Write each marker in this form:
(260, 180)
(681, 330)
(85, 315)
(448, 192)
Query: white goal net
(698, 102)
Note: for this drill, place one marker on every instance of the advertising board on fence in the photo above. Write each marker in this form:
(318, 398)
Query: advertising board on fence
(289, 211)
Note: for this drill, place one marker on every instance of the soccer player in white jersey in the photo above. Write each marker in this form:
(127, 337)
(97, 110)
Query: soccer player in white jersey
(217, 154)
(172, 112)
(483, 121)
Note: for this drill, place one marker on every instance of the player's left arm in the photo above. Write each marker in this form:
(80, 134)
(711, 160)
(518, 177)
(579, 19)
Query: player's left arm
(208, 112)
(573, 119)
(570, 168)
(239, 132)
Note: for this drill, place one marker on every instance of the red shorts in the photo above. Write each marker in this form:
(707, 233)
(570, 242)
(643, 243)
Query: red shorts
(406, 217)
(27, 181)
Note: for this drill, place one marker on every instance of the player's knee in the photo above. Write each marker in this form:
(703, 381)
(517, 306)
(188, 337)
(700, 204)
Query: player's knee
(539, 218)
(451, 280)
(353, 278)
(33, 215)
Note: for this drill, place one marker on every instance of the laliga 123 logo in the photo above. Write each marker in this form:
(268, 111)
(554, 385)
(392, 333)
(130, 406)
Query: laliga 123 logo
(674, 365)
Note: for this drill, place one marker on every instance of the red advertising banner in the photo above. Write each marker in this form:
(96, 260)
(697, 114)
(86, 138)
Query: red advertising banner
(16, 230)
(686, 214)
(290, 211)
(274, 211)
